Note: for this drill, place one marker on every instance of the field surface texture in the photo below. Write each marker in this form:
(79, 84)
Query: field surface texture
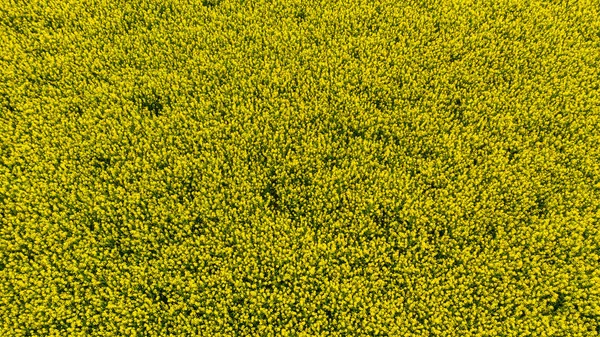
(299, 168)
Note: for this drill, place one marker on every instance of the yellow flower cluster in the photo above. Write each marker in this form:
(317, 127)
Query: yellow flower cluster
(295, 168)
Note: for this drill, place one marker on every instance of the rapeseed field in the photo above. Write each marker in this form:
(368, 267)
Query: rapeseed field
(299, 168)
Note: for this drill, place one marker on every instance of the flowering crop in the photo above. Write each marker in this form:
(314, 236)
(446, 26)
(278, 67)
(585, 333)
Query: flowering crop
(295, 168)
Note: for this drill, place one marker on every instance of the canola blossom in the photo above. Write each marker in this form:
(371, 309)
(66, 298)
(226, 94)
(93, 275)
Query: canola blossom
(298, 168)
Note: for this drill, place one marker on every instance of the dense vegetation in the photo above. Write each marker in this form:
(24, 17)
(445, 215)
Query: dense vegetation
(296, 168)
